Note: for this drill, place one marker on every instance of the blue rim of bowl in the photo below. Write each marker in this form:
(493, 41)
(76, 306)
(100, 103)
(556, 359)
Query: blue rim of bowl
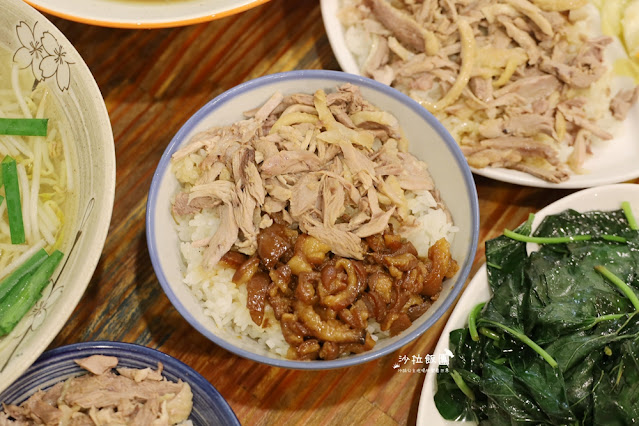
(202, 388)
(339, 78)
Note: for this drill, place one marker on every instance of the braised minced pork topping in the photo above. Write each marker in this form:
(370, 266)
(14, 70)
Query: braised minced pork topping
(509, 78)
(125, 396)
(324, 301)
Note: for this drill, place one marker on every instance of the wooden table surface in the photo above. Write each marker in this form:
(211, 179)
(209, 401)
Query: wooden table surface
(152, 82)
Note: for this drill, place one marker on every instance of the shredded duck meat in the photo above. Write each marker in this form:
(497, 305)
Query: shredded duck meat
(331, 164)
(498, 74)
(107, 395)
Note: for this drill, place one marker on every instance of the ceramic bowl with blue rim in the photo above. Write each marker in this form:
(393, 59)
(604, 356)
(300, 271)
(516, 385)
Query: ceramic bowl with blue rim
(428, 141)
(56, 365)
(38, 56)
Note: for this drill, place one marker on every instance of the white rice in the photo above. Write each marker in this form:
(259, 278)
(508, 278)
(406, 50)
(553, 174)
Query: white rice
(225, 302)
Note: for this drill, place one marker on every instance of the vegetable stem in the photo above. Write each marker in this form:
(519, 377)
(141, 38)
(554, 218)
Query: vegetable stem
(629, 216)
(461, 384)
(601, 318)
(524, 339)
(493, 265)
(625, 289)
(24, 126)
(489, 333)
(12, 194)
(472, 321)
(614, 238)
(619, 374)
(545, 240)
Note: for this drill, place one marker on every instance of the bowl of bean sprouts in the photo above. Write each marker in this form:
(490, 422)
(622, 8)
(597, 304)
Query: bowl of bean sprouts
(57, 183)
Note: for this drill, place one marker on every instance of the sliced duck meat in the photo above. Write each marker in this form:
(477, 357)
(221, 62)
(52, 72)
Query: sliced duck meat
(576, 116)
(579, 152)
(342, 243)
(285, 162)
(97, 364)
(622, 102)
(333, 202)
(523, 39)
(526, 146)
(587, 67)
(534, 14)
(531, 88)
(377, 224)
(551, 174)
(105, 398)
(482, 88)
(181, 205)
(305, 194)
(403, 27)
(223, 239)
(529, 125)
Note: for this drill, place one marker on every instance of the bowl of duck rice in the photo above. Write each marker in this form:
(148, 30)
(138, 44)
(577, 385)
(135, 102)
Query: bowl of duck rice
(312, 220)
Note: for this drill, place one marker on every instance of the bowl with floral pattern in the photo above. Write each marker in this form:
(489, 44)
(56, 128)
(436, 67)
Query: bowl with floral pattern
(43, 78)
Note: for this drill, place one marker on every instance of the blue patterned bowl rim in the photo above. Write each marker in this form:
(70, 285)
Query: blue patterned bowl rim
(55, 365)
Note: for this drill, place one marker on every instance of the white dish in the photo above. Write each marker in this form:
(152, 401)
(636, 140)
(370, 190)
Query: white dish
(143, 13)
(445, 163)
(601, 198)
(79, 97)
(616, 161)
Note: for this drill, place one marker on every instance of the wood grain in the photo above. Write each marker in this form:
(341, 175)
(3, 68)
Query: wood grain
(152, 82)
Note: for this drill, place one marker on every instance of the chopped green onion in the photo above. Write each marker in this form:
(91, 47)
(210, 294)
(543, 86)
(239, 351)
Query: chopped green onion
(461, 384)
(545, 240)
(28, 291)
(629, 216)
(625, 289)
(24, 126)
(30, 265)
(12, 193)
(524, 339)
(472, 321)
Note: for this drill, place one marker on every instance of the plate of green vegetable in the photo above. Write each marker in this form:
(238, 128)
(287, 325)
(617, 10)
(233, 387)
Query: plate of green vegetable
(547, 331)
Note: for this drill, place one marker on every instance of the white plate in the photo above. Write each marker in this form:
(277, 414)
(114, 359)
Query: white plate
(143, 13)
(601, 198)
(616, 161)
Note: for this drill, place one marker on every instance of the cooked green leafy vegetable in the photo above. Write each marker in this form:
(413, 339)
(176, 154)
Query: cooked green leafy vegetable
(558, 342)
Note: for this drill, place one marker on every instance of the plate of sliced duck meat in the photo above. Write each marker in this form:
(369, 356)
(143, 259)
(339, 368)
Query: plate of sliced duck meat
(537, 93)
